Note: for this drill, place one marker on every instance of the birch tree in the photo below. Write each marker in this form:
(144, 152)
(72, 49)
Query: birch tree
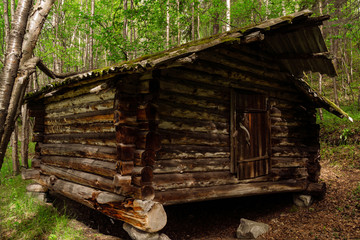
(13, 82)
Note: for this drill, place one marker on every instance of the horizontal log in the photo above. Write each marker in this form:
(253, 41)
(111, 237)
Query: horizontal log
(125, 167)
(125, 152)
(289, 173)
(286, 162)
(123, 117)
(145, 215)
(186, 195)
(80, 177)
(146, 193)
(88, 100)
(35, 162)
(175, 85)
(103, 168)
(147, 112)
(126, 134)
(253, 59)
(194, 125)
(148, 140)
(293, 116)
(125, 102)
(192, 151)
(80, 128)
(209, 72)
(299, 142)
(192, 99)
(30, 174)
(144, 157)
(35, 187)
(142, 176)
(190, 112)
(295, 132)
(74, 137)
(102, 105)
(83, 118)
(221, 58)
(164, 182)
(79, 150)
(293, 151)
(75, 89)
(193, 138)
(278, 121)
(122, 181)
(192, 165)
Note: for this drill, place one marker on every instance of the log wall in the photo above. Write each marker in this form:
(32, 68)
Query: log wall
(194, 124)
(165, 134)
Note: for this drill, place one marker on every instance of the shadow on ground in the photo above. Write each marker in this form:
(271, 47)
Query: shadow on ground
(216, 219)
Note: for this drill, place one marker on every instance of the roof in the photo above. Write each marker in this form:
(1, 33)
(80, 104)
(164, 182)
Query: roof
(295, 39)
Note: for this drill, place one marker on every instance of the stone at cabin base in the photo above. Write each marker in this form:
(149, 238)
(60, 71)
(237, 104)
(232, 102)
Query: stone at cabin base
(251, 230)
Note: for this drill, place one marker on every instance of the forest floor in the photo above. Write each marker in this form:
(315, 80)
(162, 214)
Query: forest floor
(336, 216)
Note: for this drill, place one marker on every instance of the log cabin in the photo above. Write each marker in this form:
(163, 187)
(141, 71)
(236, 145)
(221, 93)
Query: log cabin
(222, 117)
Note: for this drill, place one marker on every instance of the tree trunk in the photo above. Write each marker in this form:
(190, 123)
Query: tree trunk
(24, 135)
(320, 91)
(15, 155)
(228, 20)
(178, 23)
(192, 21)
(20, 49)
(91, 45)
(11, 65)
(6, 21)
(167, 23)
(12, 9)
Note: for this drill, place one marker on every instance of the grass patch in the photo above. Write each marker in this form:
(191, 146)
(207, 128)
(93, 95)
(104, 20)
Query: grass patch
(24, 217)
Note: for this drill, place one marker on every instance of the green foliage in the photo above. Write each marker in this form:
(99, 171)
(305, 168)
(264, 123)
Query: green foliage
(24, 217)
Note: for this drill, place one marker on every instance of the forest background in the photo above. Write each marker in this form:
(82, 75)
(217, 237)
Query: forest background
(85, 34)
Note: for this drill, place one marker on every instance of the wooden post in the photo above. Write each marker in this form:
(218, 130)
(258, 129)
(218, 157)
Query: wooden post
(15, 155)
(24, 136)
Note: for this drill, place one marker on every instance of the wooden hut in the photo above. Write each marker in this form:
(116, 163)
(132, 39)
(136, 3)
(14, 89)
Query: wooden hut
(226, 116)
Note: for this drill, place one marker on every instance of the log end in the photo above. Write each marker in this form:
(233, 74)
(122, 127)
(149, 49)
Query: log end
(156, 217)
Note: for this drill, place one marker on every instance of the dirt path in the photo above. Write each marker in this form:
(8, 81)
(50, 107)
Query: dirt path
(337, 216)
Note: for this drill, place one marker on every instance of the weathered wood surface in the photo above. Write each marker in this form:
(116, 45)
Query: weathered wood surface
(79, 150)
(100, 138)
(87, 179)
(75, 89)
(27, 174)
(289, 173)
(192, 151)
(193, 125)
(191, 112)
(226, 191)
(164, 182)
(195, 138)
(145, 215)
(103, 168)
(93, 117)
(80, 128)
(82, 103)
(191, 165)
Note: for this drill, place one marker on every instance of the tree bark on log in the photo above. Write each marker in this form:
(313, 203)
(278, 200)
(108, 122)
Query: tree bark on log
(148, 216)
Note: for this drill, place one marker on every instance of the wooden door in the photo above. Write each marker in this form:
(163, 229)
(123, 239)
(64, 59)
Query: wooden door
(250, 135)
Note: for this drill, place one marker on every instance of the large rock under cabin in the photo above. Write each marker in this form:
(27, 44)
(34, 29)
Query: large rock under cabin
(222, 117)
